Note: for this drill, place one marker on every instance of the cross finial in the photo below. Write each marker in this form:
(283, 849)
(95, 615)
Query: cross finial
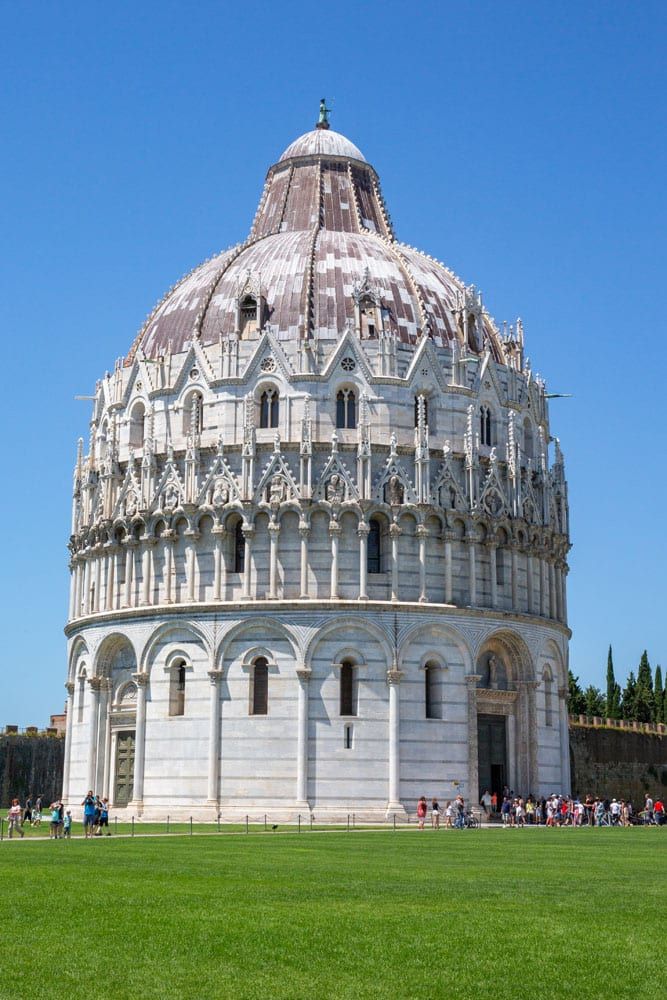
(323, 120)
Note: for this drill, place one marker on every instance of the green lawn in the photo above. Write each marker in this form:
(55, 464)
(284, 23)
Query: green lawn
(493, 913)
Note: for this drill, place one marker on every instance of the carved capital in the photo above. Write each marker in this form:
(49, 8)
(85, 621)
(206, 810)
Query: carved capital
(95, 683)
(472, 680)
(274, 527)
(140, 679)
(69, 687)
(363, 528)
(394, 676)
(395, 530)
(422, 531)
(215, 676)
(334, 528)
(303, 674)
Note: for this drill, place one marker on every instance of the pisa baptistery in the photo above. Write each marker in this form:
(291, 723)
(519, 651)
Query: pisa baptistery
(319, 536)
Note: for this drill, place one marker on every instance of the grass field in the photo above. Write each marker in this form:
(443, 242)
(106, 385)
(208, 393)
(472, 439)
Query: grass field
(494, 913)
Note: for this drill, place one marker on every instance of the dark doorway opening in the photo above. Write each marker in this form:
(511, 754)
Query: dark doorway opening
(492, 754)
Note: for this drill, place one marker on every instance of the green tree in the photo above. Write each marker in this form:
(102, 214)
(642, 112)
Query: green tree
(644, 698)
(629, 697)
(594, 700)
(613, 702)
(659, 696)
(577, 702)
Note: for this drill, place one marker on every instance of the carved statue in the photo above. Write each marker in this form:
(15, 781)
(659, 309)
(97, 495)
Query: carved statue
(277, 490)
(171, 497)
(335, 491)
(395, 491)
(131, 504)
(220, 493)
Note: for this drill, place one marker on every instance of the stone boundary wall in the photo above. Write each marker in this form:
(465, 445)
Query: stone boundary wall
(31, 763)
(619, 762)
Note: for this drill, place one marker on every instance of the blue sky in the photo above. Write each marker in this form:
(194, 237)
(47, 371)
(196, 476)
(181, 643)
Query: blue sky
(522, 143)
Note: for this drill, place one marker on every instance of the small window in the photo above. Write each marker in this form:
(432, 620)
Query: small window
(500, 566)
(193, 414)
(431, 700)
(347, 737)
(260, 687)
(367, 319)
(248, 316)
(485, 426)
(528, 438)
(548, 699)
(137, 426)
(417, 398)
(374, 551)
(346, 408)
(268, 408)
(347, 685)
(239, 548)
(81, 698)
(177, 689)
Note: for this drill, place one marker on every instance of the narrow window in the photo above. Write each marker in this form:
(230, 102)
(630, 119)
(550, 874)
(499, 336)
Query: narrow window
(347, 737)
(260, 687)
(346, 409)
(373, 552)
(431, 702)
(425, 400)
(485, 426)
(268, 408)
(193, 414)
(347, 705)
(239, 548)
(528, 438)
(500, 566)
(137, 426)
(177, 689)
(248, 316)
(81, 699)
(548, 699)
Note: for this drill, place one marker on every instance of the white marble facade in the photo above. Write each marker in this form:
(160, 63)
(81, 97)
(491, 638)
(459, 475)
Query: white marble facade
(312, 559)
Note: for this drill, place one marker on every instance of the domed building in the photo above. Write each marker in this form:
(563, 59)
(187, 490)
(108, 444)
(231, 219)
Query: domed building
(318, 549)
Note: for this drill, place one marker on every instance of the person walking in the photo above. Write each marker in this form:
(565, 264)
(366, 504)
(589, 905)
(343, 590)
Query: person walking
(421, 812)
(435, 814)
(27, 811)
(14, 818)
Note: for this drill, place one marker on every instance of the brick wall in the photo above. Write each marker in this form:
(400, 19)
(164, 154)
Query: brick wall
(618, 763)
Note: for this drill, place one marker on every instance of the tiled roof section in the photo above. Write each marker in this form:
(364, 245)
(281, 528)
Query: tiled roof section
(321, 228)
(322, 142)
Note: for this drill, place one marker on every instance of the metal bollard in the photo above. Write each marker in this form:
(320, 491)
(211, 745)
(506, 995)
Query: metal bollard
(394, 822)
(191, 826)
(115, 825)
(2, 829)
(353, 821)
(299, 822)
(246, 824)
(133, 826)
(167, 824)
(311, 822)
(218, 822)
(265, 821)
(348, 822)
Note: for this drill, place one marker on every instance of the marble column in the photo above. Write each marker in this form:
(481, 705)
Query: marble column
(393, 681)
(191, 564)
(362, 533)
(111, 578)
(248, 533)
(493, 564)
(69, 720)
(98, 583)
(219, 567)
(394, 534)
(274, 532)
(105, 715)
(86, 586)
(472, 791)
(141, 680)
(215, 677)
(422, 535)
(515, 579)
(303, 677)
(564, 573)
(448, 568)
(168, 540)
(129, 567)
(304, 532)
(117, 596)
(552, 589)
(558, 587)
(530, 581)
(145, 573)
(334, 533)
(472, 570)
(72, 591)
(544, 610)
(95, 686)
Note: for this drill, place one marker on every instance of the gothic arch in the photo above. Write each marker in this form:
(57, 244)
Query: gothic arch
(162, 632)
(107, 651)
(514, 652)
(447, 632)
(268, 626)
(549, 649)
(78, 649)
(339, 623)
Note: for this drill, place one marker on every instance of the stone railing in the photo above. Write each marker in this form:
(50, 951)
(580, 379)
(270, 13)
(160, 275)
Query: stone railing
(597, 722)
(31, 731)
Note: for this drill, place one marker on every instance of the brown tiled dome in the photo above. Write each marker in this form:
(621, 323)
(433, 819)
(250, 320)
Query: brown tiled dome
(321, 231)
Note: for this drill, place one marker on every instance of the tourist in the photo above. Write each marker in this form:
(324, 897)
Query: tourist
(505, 811)
(449, 816)
(14, 818)
(459, 812)
(37, 813)
(435, 814)
(104, 817)
(648, 809)
(494, 802)
(27, 811)
(615, 812)
(659, 811)
(88, 814)
(67, 825)
(421, 811)
(55, 820)
(485, 802)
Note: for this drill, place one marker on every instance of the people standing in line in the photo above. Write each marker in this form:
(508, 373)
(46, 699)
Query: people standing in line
(67, 825)
(435, 814)
(14, 818)
(89, 814)
(421, 812)
(55, 821)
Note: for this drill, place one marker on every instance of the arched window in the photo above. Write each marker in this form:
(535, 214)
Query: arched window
(367, 319)
(485, 426)
(417, 398)
(260, 687)
(248, 316)
(177, 688)
(346, 408)
(268, 408)
(348, 701)
(374, 547)
(431, 699)
(137, 425)
(500, 566)
(81, 697)
(239, 548)
(528, 448)
(193, 414)
(548, 699)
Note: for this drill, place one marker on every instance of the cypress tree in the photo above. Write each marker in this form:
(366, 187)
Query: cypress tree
(594, 700)
(629, 697)
(577, 702)
(659, 695)
(644, 699)
(613, 702)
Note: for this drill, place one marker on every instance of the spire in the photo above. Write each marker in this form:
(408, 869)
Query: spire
(323, 120)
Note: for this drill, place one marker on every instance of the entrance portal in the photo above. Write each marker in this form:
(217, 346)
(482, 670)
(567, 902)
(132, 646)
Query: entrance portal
(124, 778)
(492, 754)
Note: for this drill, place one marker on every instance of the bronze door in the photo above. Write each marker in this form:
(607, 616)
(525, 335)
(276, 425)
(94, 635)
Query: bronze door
(124, 780)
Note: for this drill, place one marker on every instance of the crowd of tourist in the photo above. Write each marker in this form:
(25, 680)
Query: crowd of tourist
(95, 817)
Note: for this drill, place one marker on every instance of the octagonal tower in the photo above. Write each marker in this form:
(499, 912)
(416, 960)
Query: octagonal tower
(318, 549)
